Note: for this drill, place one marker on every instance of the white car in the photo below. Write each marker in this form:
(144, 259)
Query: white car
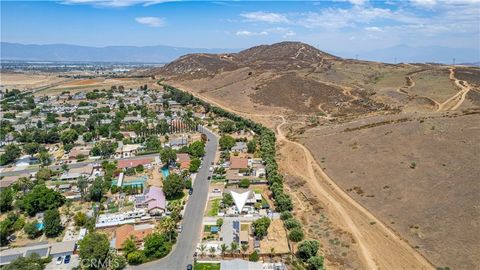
(59, 260)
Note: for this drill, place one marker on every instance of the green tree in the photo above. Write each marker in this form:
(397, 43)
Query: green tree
(219, 222)
(260, 226)
(307, 249)
(254, 257)
(31, 148)
(315, 263)
(41, 198)
(6, 199)
(173, 186)
(251, 146)
(292, 223)
(129, 246)
(43, 175)
(69, 136)
(223, 249)
(31, 262)
(194, 165)
(31, 229)
(227, 126)
(156, 245)
(80, 219)
(168, 155)
(12, 152)
(226, 142)
(296, 235)
(44, 158)
(136, 257)
(197, 149)
(286, 215)
(244, 183)
(94, 246)
(52, 222)
(96, 190)
(227, 199)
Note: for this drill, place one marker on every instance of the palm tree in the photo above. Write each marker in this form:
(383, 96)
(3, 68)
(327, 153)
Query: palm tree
(82, 185)
(244, 249)
(212, 251)
(223, 249)
(233, 247)
(202, 249)
(168, 226)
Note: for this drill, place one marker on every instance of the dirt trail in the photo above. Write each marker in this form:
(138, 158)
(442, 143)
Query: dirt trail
(409, 84)
(379, 247)
(456, 100)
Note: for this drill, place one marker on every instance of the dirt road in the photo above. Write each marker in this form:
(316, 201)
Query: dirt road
(380, 247)
(456, 100)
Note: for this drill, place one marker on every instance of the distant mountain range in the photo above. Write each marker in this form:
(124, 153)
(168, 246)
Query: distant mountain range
(63, 52)
(165, 54)
(427, 54)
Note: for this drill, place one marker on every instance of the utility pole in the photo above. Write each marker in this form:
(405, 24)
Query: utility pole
(356, 56)
(453, 61)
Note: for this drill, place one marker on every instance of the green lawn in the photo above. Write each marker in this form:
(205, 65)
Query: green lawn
(207, 266)
(214, 207)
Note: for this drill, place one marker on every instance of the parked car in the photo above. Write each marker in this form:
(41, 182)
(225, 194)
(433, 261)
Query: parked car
(180, 228)
(59, 260)
(208, 178)
(67, 259)
(190, 191)
(210, 169)
(189, 267)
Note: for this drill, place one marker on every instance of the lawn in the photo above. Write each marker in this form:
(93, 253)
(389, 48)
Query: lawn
(213, 207)
(207, 266)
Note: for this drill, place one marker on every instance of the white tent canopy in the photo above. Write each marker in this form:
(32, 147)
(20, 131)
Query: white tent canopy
(240, 199)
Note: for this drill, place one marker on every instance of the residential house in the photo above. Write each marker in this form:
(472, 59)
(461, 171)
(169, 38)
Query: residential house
(153, 201)
(132, 163)
(183, 159)
(238, 163)
(138, 232)
(240, 147)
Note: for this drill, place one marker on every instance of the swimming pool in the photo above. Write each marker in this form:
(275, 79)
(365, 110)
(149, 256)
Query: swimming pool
(132, 182)
(165, 171)
(40, 226)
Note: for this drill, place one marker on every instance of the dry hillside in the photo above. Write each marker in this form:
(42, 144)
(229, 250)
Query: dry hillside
(400, 140)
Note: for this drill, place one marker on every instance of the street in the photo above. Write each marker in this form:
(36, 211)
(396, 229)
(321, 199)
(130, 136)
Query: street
(182, 253)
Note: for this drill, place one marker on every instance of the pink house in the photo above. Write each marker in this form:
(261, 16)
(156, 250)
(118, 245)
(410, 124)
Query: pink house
(153, 200)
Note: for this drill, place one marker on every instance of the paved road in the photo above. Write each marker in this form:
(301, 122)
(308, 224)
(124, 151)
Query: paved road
(182, 253)
(71, 166)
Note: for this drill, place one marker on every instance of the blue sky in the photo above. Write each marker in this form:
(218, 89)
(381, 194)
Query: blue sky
(338, 25)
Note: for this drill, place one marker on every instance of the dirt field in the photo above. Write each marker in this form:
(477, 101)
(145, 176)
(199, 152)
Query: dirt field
(276, 239)
(26, 81)
(418, 176)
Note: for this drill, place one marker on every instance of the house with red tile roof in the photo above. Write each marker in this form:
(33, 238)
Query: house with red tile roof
(138, 232)
(238, 163)
(132, 163)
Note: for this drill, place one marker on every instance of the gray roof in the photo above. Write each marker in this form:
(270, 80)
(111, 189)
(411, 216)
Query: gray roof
(239, 264)
(43, 252)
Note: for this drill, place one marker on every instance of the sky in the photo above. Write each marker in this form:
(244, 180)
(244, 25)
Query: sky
(336, 25)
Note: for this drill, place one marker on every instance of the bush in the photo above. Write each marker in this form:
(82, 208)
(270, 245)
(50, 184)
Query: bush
(136, 257)
(244, 183)
(292, 223)
(296, 235)
(286, 215)
(260, 226)
(254, 257)
(315, 263)
(80, 219)
(307, 249)
(31, 229)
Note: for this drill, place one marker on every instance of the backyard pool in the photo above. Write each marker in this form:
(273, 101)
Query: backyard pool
(132, 182)
(40, 226)
(165, 171)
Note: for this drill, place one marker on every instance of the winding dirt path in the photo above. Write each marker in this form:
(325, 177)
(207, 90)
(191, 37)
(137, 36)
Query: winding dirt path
(379, 247)
(456, 100)
(410, 83)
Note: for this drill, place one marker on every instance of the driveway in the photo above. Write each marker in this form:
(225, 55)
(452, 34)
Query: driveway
(182, 253)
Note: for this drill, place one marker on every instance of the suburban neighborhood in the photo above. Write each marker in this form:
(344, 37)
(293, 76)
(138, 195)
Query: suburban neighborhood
(135, 175)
